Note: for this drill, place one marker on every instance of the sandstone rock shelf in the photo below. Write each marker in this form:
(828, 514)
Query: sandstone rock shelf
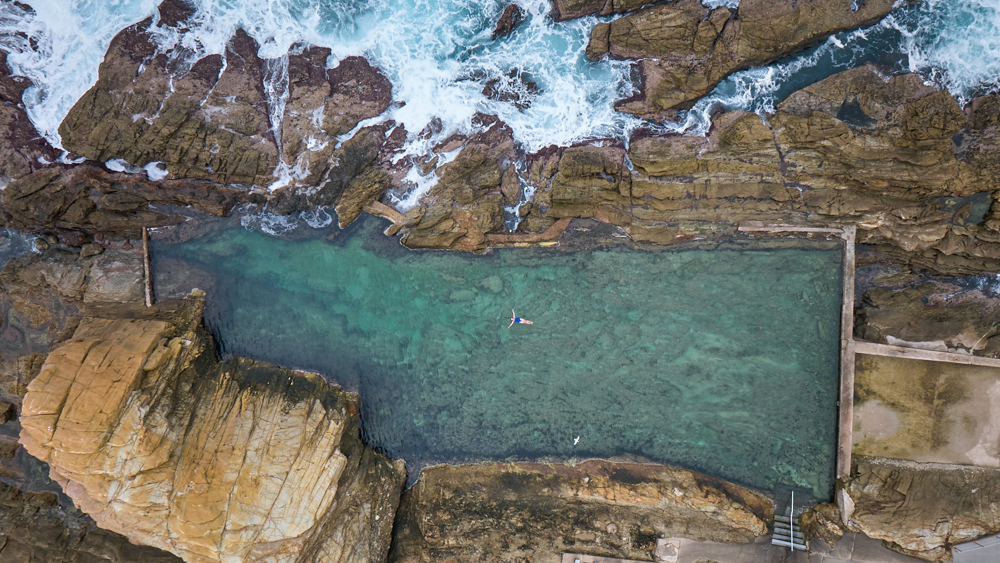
(155, 440)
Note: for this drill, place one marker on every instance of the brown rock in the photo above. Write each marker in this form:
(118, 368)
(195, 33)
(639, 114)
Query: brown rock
(7, 412)
(822, 521)
(91, 249)
(466, 202)
(80, 201)
(208, 461)
(322, 105)
(941, 316)
(922, 509)
(599, 42)
(535, 512)
(685, 50)
(592, 181)
(22, 149)
(511, 17)
(33, 528)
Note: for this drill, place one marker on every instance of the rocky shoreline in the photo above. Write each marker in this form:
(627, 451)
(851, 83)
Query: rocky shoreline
(903, 161)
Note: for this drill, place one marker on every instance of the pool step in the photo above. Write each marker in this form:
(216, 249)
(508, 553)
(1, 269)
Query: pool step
(786, 530)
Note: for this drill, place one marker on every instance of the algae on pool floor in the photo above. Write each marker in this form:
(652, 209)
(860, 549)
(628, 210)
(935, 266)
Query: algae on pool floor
(723, 361)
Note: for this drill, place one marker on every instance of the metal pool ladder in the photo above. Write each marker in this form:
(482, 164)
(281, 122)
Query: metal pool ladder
(786, 530)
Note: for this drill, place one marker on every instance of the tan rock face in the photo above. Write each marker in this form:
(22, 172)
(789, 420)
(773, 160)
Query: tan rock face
(922, 509)
(466, 202)
(685, 50)
(534, 512)
(238, 461)
(209, 119)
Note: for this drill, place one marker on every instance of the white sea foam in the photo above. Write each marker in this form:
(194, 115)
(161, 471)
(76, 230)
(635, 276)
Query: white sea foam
(155, 171)
(956, 44)
(438, 54)
(59, 47)
(119, 165)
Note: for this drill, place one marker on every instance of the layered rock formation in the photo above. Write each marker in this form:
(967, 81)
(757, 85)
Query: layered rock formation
(534, 512)
(467, 198)
(42, 300)
(22, 149)
(935, 316)
(684, 49)
(923, 509)
(854, 148)
(210, 117)
(214, 462)
(80, 202)
(33, 528)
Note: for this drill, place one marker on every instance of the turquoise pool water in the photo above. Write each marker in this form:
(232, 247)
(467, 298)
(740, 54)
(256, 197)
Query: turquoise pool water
(724, 361)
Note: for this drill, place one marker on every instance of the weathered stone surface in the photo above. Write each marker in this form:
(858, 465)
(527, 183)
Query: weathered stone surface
(511, 17)
(853, 149)
(822, 521)
(88, 200)
(22, 149)
(208, 119)
(213, 462)
(41, 303)
(921, 509)
(352, 169)
(177, 111)
(936, 316)
(33, 529)
(569, 9)
(466, 201)
(592, 181)
(685, 50)
(534, 512)
(322, 105)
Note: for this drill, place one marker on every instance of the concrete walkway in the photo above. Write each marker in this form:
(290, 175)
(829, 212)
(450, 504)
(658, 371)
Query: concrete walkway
(852, 547)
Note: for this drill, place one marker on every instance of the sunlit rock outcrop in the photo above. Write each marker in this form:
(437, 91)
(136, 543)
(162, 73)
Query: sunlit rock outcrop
(684, 49)
(231, 461)
(923, 509)
(232, 118)
(535, 512)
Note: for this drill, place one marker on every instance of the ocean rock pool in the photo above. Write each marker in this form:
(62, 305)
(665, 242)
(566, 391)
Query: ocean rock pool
(724, 361)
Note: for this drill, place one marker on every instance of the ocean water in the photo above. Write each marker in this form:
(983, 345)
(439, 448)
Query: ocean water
(724, 361)
(439, 53)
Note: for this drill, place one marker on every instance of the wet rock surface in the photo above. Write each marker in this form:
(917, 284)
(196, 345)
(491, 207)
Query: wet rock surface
(684, 49)
(533, 511)
(210, 118)
(79, 202)
(22, 149)
(206, 460)
(923, 509)
(933, 316)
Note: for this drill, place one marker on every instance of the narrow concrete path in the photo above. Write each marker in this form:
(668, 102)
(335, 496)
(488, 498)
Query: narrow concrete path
(852, 547)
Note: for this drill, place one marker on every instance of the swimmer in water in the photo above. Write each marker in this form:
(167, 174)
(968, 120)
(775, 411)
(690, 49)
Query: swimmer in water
(515, 319)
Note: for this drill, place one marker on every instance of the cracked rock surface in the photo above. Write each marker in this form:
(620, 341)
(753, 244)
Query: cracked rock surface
(210, 461)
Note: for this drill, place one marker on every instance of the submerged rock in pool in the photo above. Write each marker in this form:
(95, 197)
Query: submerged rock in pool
(211, 461)
(535, 512)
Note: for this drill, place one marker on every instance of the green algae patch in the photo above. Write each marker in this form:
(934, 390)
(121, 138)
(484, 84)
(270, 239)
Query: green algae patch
(723, 361)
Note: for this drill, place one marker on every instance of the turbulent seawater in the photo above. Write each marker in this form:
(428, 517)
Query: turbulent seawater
(724, 361)
(438, 53)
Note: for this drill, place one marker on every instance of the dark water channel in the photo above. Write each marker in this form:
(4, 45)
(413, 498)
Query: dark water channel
(723, 361)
